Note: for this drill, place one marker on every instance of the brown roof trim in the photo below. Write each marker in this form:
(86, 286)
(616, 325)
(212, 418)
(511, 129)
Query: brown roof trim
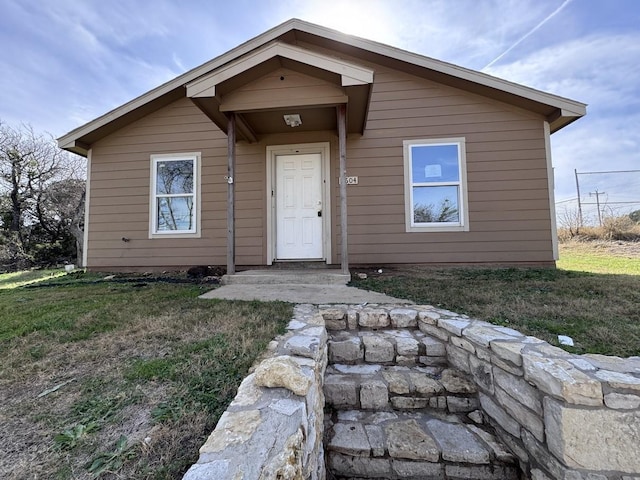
(78, 139)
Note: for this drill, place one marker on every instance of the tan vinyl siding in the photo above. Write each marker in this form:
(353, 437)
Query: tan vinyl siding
(508, 198)
(506, 177)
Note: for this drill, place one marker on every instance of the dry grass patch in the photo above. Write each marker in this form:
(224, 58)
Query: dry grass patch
(148, 370)
(600, 311)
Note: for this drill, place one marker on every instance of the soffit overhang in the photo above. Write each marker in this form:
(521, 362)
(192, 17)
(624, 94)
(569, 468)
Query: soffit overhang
(558, 111)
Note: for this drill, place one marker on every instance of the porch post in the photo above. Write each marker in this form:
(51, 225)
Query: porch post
(231, 167)
(342, 146)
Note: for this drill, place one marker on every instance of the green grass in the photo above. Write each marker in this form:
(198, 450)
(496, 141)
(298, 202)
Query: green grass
(580, 257)
(149, 369)
(599, 311)
(18, 279)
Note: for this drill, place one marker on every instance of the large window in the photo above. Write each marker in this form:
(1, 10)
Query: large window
(174, 195)
(435, 185)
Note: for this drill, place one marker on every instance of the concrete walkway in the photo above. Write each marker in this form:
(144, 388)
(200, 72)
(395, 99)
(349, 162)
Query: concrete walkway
(302, 293)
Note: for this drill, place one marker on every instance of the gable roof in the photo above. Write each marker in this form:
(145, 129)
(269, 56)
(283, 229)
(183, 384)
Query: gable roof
(559, 111)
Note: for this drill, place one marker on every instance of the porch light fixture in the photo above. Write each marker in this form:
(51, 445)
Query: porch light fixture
(293, 119)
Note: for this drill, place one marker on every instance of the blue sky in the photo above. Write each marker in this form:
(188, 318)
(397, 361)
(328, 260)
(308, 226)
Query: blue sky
(64, 62)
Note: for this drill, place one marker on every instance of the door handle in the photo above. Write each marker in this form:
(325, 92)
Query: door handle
(319, 213)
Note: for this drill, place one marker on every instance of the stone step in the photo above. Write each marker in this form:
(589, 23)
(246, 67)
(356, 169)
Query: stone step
(407, 347)
(287, 277)
(397, 445)
(388, 387)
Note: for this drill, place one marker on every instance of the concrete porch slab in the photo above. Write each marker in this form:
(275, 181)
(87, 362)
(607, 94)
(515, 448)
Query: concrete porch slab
(287, 277)
(302, 293)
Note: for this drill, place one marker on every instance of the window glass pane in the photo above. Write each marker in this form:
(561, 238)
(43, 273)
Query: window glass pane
(174, 176)
(434, 163)
(175, 213)
(435, 204)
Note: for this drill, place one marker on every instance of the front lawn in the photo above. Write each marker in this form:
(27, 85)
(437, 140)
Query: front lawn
(600, 311)
(123, 377)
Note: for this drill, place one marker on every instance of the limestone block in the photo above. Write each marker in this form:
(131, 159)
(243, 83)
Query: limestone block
(350, 439)
(434, 331)
(439, 402)
(482, 373)
(428, 316)
(376, 439)
(621, 401)
(455, 381)
(349, 466)
(457, 443)
(542, 456)
(461, 404)
(340, 390)
(286, 464)
(404, 469)
(407, 346)
(501, 417)
(203, 471)
(357, 369)
(483, 336)
(458, 358)
(482, 472)
(345, 349)
(397, 382)
(333, 313)
(510, 351)
(377, 349)
(502, 454)
(403, 318)
(233, 428)
(619, 380)
(433, 362)
(284, 372)
(248, 392)
(506, 366)
(406, 361)
(303, 345)
(433, 347)
(614, 364)
(476, 417)
(559, 378)
(523, 415)
(408, 439)
(538, 475)
(374, 395)
(582, 364)
(463, 344)
(593, 439)
(352, 319)
(425, 385)
(409, 403)
(373, 318)
(519, 389)
(455, 326)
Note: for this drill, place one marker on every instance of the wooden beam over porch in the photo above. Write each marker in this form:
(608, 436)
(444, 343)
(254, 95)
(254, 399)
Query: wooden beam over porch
(342, 148)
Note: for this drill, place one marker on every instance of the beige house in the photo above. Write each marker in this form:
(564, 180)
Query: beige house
(306, 144)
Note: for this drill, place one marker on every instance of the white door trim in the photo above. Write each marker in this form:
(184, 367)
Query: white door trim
(324, 149)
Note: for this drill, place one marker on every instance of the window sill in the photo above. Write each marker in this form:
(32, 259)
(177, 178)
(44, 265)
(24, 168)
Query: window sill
(175, 235)
(443, 228)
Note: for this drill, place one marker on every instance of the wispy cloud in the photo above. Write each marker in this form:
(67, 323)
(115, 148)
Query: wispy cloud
(529, 33)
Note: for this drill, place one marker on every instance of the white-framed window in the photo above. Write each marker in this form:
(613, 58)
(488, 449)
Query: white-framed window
(435, 185)
(175, 195)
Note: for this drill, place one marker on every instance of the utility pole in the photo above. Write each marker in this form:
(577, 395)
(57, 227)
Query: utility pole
(579, 204)
(597, 195)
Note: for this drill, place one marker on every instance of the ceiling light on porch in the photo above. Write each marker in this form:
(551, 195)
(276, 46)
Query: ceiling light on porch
(293, 120)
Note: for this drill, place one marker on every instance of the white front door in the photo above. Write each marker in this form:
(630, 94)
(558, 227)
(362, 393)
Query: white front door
(299, 209)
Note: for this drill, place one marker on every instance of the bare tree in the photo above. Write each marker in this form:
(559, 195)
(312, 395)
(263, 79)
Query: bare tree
(38, 184)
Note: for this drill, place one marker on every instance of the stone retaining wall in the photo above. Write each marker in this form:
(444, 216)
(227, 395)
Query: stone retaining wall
(564, 416)
(273, 429)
